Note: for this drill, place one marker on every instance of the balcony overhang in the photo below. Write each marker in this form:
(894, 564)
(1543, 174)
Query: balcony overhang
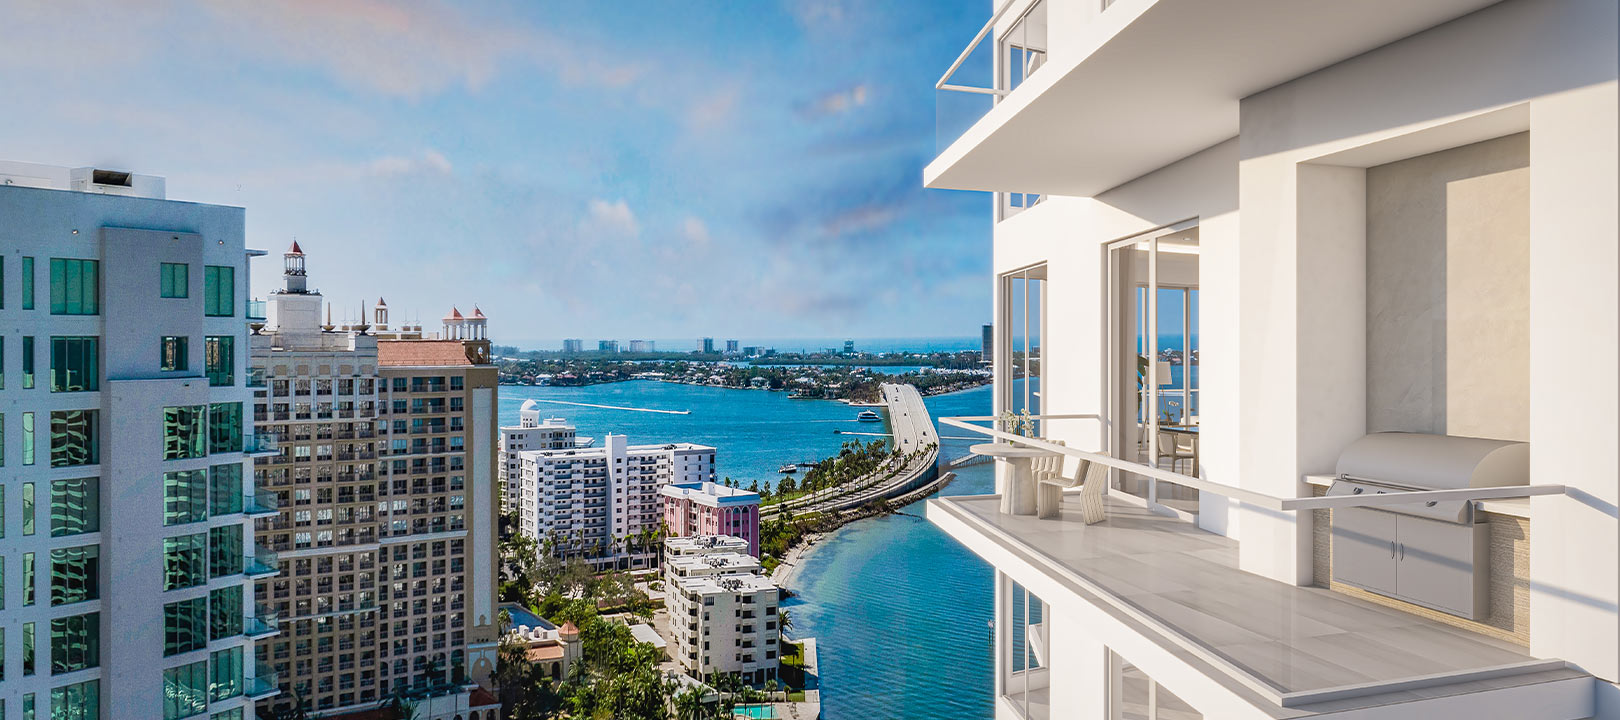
(1153, 81)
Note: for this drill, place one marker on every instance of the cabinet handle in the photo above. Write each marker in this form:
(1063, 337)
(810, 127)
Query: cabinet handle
(1392, 549)
(1403, 551)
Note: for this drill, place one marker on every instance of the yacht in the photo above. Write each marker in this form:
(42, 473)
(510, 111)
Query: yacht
(788, 469)
(868, 416)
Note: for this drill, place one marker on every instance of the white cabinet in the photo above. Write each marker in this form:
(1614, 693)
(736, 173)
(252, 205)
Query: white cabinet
(1436, 564)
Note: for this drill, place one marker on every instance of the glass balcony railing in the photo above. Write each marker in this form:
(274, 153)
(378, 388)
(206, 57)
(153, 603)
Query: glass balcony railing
(255, 378)
(264, 682)
(260, 444)
(1008, 49)
(260, 562)
(255, 310)
(261, 503)
(263, 622)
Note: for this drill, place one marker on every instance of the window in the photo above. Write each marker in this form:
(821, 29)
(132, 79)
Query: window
(183, 432)
(219, 359)
(184, 564)
(28, 438)
(456, 382)
(75, 366)
(185, 626)
(231, 714)
(174, 280)
(79, 701)
(28, 579)
(28, 362)
(172, 353)
(75, 574)
(225, 427)
(28, 283)
(28, 649)
(225, 674)
(75, 643)
(225, 487)
(75, 287)
(73, 438)
(225, 551)
(185, 497)
(75, 506)
(219, 291)
(28, 508)
(185, 690)
(225, 612)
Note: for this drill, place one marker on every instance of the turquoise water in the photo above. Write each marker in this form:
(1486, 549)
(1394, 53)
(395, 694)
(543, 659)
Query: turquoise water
(900, 609)
(755, 711)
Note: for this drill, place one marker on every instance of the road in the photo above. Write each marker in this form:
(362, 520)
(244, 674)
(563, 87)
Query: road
(913, 430)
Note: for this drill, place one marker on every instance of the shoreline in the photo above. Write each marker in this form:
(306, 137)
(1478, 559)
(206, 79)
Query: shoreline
(788, 570)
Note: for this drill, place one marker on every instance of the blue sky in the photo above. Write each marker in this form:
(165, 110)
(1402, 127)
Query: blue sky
(592, 169)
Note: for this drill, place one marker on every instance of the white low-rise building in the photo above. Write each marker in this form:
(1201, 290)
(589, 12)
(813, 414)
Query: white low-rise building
(602, 504)
(531, 433)
(722, 610)
(1323, 299)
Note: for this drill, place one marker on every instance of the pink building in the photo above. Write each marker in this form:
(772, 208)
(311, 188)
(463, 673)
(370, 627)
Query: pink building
(706, 508)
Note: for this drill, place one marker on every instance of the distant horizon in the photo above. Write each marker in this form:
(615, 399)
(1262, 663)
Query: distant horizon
(876, 343)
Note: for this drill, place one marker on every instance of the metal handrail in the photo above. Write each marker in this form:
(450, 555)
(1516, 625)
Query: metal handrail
(1270, 502)
(983, 31)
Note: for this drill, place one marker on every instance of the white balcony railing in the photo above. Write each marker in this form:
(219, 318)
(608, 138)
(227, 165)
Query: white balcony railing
(1269, 502)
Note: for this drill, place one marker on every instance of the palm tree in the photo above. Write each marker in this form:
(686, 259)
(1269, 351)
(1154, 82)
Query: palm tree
(784, 620)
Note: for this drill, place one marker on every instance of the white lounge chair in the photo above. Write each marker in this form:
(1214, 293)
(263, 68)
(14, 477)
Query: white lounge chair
(1090, 477)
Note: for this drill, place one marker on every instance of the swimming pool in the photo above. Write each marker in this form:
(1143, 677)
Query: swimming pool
(521, 616)
(754, 711)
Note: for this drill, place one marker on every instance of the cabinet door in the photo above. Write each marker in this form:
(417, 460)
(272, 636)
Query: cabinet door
(1364, 553)
(1436, 564)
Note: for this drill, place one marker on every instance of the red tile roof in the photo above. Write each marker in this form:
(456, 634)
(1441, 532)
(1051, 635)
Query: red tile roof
(481, 698)
(421, 352)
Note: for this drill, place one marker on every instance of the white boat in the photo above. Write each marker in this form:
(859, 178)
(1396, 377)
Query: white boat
(868, 416)
(788, 469)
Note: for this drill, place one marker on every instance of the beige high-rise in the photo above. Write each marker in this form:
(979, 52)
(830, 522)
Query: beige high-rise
(382, 480)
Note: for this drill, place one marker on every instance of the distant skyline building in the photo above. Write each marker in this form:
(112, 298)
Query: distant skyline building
(641, 346)
(849, 347)
(709, 508)
(573, 345)
(583, 499)
(987, 343)
(707, 345)
(731, 347)
(607, 346)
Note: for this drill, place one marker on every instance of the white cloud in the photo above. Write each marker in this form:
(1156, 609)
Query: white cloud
(714, 109)
(838, 102)
(613, 218)
(429, 160)
(696, 232)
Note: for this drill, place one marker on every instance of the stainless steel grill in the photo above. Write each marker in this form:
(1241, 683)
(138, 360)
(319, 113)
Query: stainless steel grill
(1430, 553)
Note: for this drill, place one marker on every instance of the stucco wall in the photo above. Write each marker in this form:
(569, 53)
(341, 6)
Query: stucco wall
(1448, 291)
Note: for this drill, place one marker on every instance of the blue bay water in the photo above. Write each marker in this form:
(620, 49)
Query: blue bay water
(900, 609)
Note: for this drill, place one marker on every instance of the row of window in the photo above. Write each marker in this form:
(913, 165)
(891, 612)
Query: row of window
(76, 286)
(188, 689)
(79, 701)
(190, 495)
(194, 431)
(74, 438)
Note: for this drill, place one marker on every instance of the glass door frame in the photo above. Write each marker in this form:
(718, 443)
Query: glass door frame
(1117, 317)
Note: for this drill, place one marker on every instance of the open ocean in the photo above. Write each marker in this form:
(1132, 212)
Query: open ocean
(900, 609)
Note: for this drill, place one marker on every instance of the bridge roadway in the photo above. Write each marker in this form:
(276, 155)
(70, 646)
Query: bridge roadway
(913, 430)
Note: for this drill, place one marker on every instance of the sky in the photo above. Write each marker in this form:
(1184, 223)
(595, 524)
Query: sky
(575, 169)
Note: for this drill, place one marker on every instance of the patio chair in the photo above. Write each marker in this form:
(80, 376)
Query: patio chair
(1090, 477)
(1178, 447)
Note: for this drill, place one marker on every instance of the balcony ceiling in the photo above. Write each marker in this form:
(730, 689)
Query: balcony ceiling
(1153, 81)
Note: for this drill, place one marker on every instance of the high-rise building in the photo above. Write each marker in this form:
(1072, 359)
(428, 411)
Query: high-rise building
(607, 346)
(1306, 440)
(129, 555)
(987, 343)
(379, 591)
(583, 500)
(731, 347)
(849, 347)
(573, 345)
(722, 609)
(640, 346)
(709, 508)
(707, 345)
(531, 433)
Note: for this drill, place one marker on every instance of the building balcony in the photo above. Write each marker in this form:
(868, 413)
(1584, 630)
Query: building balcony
(260, 444)
(261, 562)
(256, 311)
(263, 622)
(1083, 109)
(261, 503)
(264, 683)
